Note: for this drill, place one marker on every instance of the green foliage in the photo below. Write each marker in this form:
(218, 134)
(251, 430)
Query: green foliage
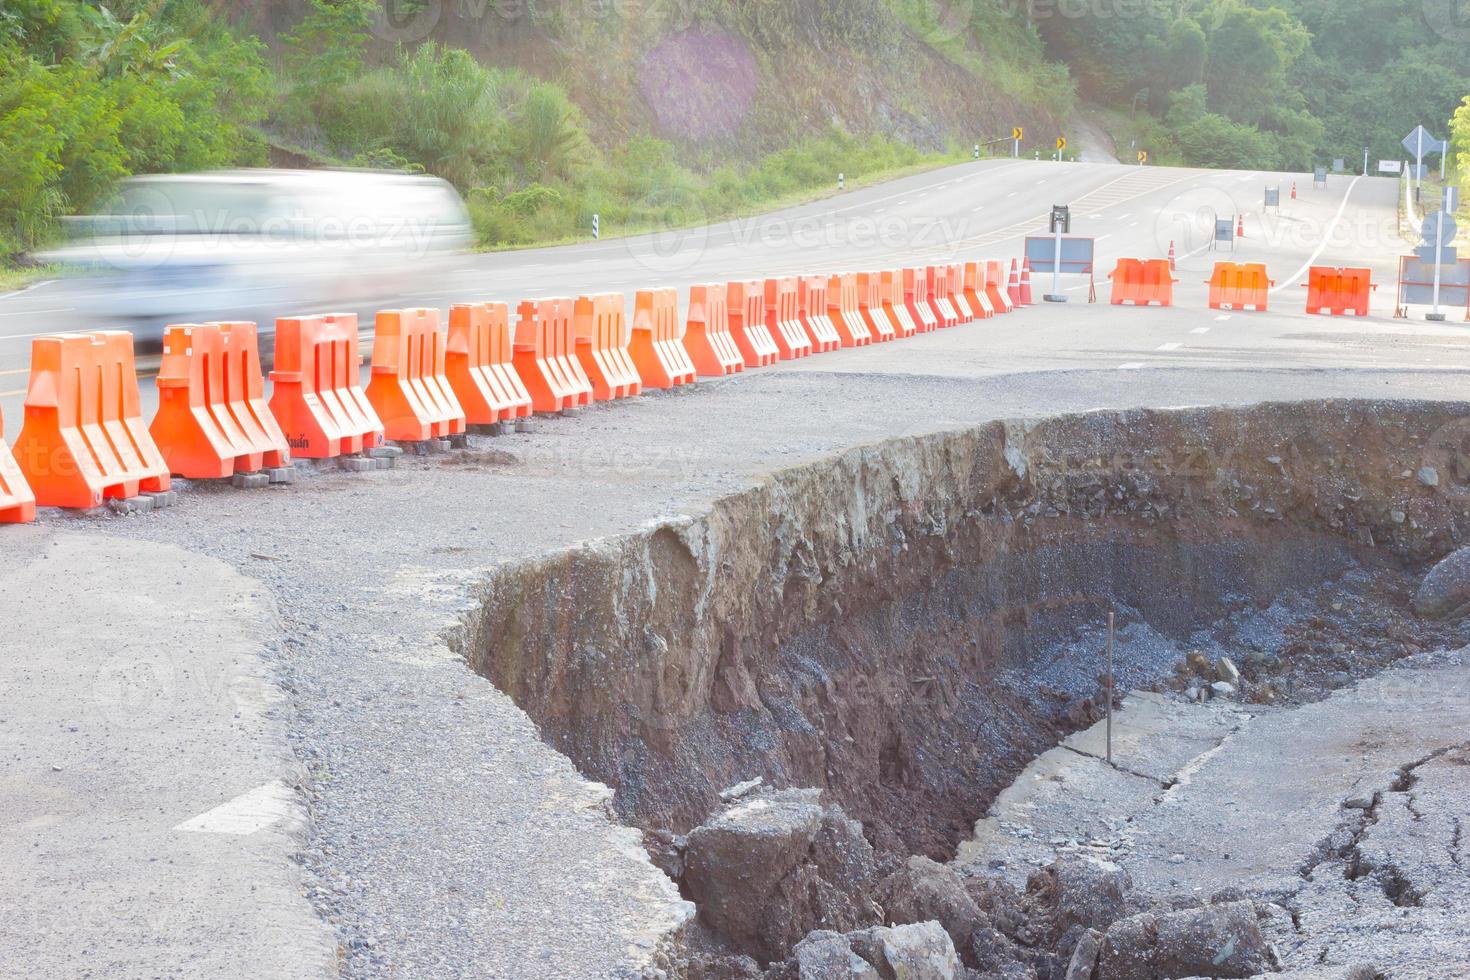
(325, 49)
(1316, 79)
(90, 94)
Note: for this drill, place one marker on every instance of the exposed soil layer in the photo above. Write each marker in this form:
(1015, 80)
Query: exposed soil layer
(885, 625)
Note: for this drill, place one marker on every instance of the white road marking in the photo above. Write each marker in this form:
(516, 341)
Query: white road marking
(1130, 366)
(1222, 317)
(1170, 347)
(1200, 330)
(59, 309)
(245, 814)
(1326, 238)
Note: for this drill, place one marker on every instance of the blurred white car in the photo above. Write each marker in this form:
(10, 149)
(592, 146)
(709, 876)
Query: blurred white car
(259, 244)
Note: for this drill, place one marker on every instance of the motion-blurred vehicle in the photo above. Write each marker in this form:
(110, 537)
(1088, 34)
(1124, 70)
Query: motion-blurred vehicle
(260, 244)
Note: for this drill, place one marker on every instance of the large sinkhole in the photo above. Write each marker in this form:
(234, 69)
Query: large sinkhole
(906, 625)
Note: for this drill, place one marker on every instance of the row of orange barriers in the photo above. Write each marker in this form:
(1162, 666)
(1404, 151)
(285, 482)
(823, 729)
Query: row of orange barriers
(83, 440)
(1243, 286)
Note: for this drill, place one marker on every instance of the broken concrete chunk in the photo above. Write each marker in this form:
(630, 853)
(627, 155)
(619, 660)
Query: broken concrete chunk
(1445, 593)
(923, 891)
(1225, 670)
(1074, 892)
(827, 956)
(1220, 689)
(1214, 941)
(920, 951)
(1084, 957)
(734, 863)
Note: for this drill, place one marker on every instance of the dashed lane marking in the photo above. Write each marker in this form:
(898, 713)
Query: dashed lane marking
(1170, 347)
(1130, 366)
(1200, 330)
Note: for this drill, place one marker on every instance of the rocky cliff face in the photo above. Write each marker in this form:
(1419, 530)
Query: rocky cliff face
(882, 624)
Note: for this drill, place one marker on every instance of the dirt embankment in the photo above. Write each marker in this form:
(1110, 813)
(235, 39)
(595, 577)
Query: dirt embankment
(884, 625)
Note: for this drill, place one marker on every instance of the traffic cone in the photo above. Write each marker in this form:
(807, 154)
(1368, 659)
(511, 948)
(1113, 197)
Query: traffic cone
(1026, 299)
(1173, 260)
(1013, 288)
(1293, 190)
(1240, 226)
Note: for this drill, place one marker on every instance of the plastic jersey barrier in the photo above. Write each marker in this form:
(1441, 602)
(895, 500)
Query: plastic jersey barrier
(814, 306)
(957, 296)
(746, 301)
(872, 309)
(408, 388)
(1236, 286)
(936, 277)
(17, 503)
(657, 347)
(543, 356)
(83, 440)
(707, 333)
(477, 362)
(995, 287)
(975, 291)
(212, 420)
(1333, 291)
(316, 389)
(896, 304)
(916, 298)
(845, 312)
(783, 318)
(601, 326)
(1142, 282)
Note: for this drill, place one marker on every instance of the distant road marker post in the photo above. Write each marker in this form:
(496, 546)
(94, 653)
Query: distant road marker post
(1018, 133)
(1061, 145)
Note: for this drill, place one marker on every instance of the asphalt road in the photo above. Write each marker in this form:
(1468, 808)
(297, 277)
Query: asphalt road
(979, 210)
(446, 838)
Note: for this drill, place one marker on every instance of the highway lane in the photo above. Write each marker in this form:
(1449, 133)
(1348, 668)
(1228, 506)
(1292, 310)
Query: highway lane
(970, 210)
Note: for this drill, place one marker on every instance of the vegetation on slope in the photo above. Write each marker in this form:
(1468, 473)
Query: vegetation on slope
(1284, 84)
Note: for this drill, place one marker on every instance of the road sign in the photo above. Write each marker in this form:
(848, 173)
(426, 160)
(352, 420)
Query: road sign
(1420, 280)
(1018, 133)
(1061, 219)
(1061, 142)
(1319, 176)
(1273, 197)
(1440, 228)
(1338, 166)
(1447, 255)
(1420, 142)
(1390, 166)
(1078, 255)
(1142, 157)
(1224, 232)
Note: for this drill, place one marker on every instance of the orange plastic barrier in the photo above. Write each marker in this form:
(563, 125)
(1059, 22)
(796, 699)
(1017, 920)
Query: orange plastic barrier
(895, 304)
(17, 503)
(746, 302)
(83, 440)
(916, 298)
(544, 356)
(1240, 287)
(844, 312)
(408, 388)
(707, 336)
(783, 318)
(975, 293)
(477, 362)
(1333, 291)
(814, 306)
(872, 309)
(212, 419)
(995, 287)
(1142, 282)
(937, 279)
(960, 302)
(657, 346)
(316, 390)
(601, 327)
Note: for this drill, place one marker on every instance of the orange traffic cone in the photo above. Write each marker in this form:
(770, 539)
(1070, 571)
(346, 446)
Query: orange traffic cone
(1173, 260)
(1240, 226)
(1013, 288)
(1293, 190)
(1026, 283)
